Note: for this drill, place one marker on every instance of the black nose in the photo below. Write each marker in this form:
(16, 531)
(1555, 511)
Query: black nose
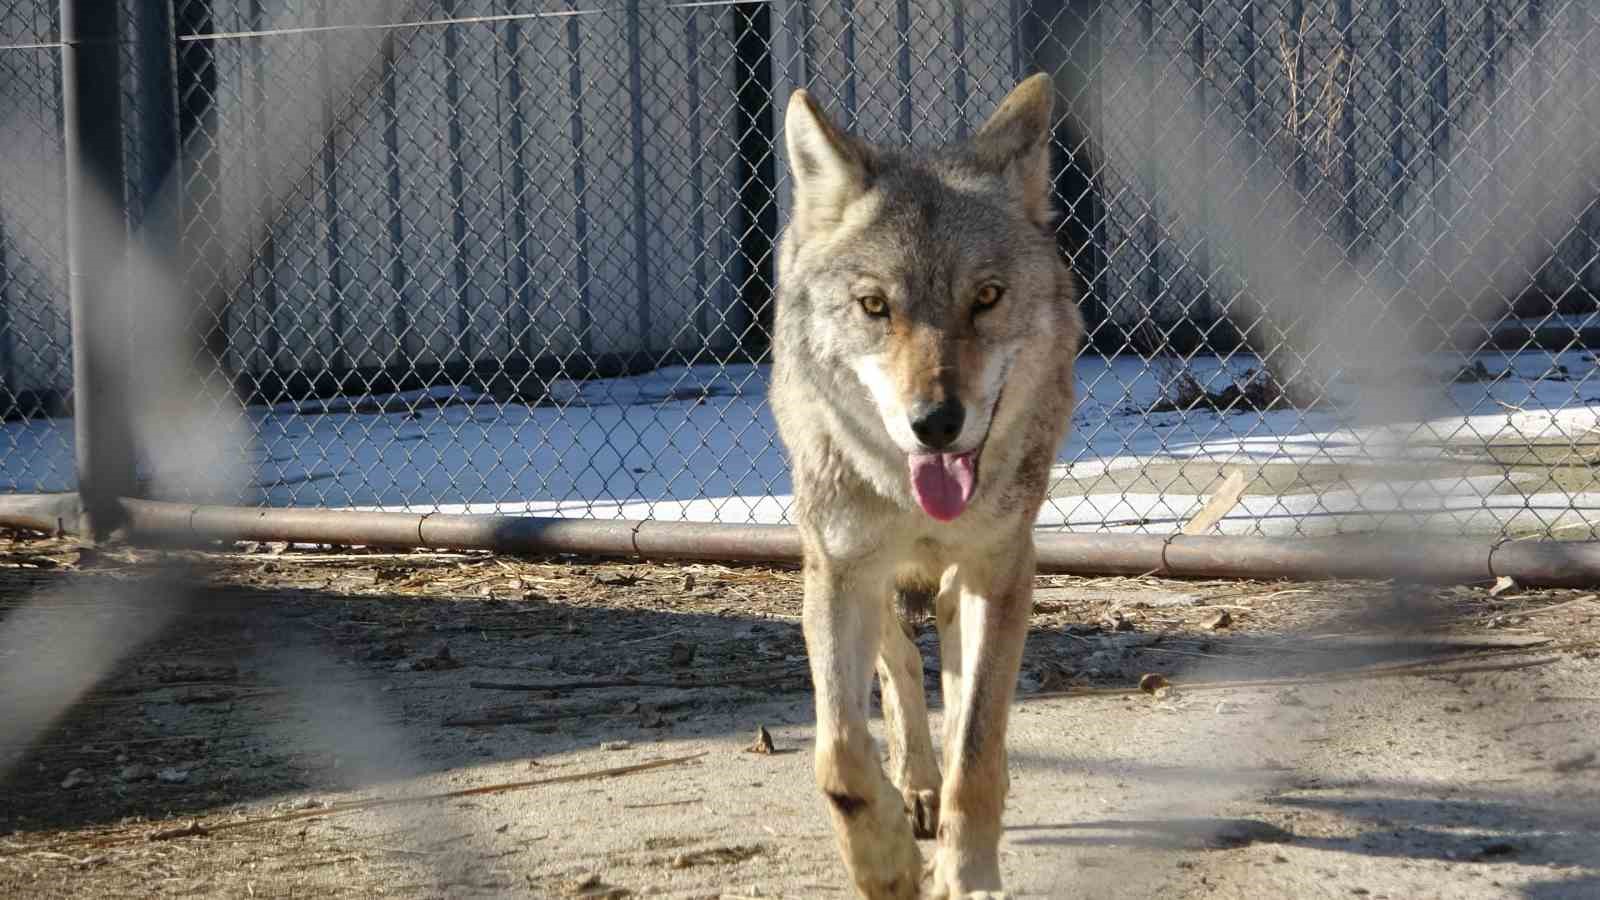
(937, 424)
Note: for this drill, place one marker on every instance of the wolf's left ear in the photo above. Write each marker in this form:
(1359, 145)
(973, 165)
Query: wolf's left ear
(1016, 142)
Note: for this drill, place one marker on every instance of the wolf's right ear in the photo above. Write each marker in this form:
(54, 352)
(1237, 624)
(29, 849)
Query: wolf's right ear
(829, 168)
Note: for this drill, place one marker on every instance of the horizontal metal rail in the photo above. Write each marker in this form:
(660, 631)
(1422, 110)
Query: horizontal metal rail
(1419, 558)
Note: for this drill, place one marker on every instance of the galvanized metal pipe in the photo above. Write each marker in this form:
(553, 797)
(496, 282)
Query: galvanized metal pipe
(1532, 563)
(501, 534)
(50, 513)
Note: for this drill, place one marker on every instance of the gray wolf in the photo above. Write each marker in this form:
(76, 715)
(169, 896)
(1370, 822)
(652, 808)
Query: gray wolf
(924, 337)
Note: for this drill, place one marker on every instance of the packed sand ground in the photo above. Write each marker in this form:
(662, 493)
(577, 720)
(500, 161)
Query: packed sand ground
(1318, 739)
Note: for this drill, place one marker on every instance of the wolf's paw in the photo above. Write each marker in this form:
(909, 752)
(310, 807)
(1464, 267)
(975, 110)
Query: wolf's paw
(938, 891)
(943, 883)
(883, 858)
(922, 807)
(903, 887)
(894, 877)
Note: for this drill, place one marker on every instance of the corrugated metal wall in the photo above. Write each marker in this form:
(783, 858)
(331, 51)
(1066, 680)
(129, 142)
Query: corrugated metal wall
(560, 186)
(1384, 116)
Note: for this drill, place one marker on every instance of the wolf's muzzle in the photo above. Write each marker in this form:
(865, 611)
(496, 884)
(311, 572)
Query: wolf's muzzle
(937, 425)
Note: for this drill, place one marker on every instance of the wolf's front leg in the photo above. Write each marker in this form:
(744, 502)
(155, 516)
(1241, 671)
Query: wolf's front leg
(995, 600)
(844, 607)
(912, 765)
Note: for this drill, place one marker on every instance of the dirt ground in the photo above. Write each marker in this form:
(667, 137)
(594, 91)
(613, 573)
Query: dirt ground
(287, 722)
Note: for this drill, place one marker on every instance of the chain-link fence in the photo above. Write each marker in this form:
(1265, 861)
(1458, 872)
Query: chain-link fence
(517, 256)
(35, 346)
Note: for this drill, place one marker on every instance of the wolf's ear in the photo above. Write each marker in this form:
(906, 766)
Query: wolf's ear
(828, 167)
(1016, 142)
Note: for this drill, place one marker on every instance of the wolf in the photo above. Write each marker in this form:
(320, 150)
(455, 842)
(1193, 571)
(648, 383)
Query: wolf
(925, 331)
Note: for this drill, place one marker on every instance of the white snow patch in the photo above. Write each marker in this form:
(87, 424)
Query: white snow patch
(698, 444)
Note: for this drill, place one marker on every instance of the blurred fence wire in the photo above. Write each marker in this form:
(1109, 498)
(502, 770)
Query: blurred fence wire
(516, 256)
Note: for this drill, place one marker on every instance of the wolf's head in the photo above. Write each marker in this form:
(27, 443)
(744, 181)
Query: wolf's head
(926, 276)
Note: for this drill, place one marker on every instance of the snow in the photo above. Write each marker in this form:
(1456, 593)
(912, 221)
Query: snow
(698, 444)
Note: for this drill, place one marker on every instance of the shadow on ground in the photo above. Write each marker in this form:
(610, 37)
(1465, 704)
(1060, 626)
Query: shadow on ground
(257, 693)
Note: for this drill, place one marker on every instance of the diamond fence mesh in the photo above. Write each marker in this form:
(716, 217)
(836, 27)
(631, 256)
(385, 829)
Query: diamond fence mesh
(517, 257)
(35, 345)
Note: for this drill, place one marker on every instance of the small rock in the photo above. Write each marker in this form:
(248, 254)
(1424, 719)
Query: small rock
(1167, 693)
(193, 829)
(1227, 707)
(1290, 698)
(1055, 677)
(650, 717)
(439, 661)
(76, 778)
(172, 775)
(681, 655)
(137, 772)
(1223, 619)
(593, 886)
(1117, 621)
(1103, 661)
(1151, 682)
(1497, 848)
(1235, 833)
(1501, 585)
(688, 581)
(616, 745)
(403, 666)
(1506, 621)
(389, 650)
(762, 743)
(1576, 763)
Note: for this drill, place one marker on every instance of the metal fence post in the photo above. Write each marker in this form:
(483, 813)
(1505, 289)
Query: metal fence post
(91, 102)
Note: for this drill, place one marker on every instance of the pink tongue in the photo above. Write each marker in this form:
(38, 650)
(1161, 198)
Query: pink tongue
(943, 482)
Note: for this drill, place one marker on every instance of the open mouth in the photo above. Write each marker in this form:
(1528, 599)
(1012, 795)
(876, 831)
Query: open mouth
(943, 483)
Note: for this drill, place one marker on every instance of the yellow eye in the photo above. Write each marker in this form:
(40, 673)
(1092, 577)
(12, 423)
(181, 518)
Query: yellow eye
(989, 295)
(874, 306)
